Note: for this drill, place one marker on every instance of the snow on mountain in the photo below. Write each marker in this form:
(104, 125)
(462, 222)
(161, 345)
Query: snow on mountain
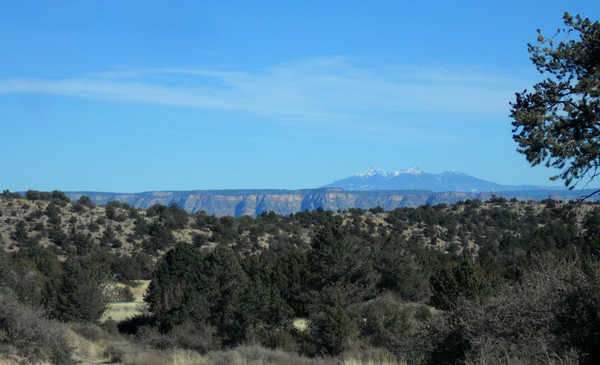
(417, 179)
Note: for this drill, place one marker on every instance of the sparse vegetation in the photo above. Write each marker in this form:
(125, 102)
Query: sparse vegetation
(474, 282)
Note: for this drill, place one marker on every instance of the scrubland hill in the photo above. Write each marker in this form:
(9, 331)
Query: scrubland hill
(52, 220)
(495, 282)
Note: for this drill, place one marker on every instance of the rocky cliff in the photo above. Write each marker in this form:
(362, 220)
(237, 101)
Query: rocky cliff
(255, 202)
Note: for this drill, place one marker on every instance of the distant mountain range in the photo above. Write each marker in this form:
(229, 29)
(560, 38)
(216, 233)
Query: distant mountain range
(414, 178)
(368, 189)
(255, 202)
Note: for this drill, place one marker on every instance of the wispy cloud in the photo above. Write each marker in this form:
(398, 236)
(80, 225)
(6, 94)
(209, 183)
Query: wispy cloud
(327, 88)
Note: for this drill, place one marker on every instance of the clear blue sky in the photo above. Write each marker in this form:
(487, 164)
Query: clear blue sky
(134, 96)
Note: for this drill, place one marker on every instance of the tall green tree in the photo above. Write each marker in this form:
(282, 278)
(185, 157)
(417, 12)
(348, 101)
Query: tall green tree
(341, 268)
(558, 122)
(190, 284)
(175, 292)
(81, 295)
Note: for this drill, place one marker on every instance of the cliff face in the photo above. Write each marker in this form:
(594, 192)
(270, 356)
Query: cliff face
(255, 202)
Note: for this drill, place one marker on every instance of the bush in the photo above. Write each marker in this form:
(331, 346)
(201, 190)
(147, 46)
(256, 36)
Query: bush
(278, 339)
(114, 353)
(551, 315)
(423, 313)
(331, 332)
(461, 281)
(33, 336)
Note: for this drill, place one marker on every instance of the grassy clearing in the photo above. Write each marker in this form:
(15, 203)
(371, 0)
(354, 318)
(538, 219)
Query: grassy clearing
(122, 311)
(126, 310)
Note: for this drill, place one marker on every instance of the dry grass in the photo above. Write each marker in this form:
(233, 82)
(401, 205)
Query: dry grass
(103, 348)
(84, 348)
(256, 355)
(300, 324)
(140, 289)
(125, 310)
(388, 361)
(247, 355)
(14, 360)
(148, 358)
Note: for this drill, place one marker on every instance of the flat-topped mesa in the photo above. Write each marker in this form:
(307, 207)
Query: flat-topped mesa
(255, 202)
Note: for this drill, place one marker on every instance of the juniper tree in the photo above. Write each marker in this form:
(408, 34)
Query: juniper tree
(558, 122)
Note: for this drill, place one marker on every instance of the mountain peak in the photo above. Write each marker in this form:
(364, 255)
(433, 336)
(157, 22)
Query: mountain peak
(414, 171)
(416, 179)
(374, 171)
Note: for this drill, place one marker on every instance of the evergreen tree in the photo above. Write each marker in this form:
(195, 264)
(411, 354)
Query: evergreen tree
(81, 292)
(559, 121)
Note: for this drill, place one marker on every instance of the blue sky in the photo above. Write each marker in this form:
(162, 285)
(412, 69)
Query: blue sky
(134, 96)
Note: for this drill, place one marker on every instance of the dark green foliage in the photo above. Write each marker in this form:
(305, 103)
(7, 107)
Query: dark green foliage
(37, 195)
(85, 201)
(60, 198)
(171, 217)
(189, 284)
(114, 211)
(552, 313)
(330, 331)
(400, 270)
(81, 295)
(578, 316)
(592, 233)
(135, 267)
(81, 242)
(557, 123)
(340, 268)
(109, 237)
(161, 237)
(20, 233)
(57, 235)
(460, 281)
(385, 323)
(52, 211)
(141, 227)
(264, 301)
(176, 291)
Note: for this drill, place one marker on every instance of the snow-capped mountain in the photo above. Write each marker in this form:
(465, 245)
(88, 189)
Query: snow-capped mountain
(417, 179)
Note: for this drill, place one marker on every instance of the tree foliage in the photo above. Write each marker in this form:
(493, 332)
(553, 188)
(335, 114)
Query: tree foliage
(81, 295)
(559, 121)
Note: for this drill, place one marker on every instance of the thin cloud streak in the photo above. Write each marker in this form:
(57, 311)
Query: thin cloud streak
(321, 89)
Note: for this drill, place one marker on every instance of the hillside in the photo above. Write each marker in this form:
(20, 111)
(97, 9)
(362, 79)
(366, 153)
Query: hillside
(351, 287)
(82, 225)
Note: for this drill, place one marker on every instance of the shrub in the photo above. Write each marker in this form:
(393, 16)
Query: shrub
(551, 315)
(330, 332)
(33, 336)
(278, 339)
(461, 281)
(423, 313)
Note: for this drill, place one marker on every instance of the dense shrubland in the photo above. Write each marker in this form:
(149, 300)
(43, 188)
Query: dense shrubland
(493, 282)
